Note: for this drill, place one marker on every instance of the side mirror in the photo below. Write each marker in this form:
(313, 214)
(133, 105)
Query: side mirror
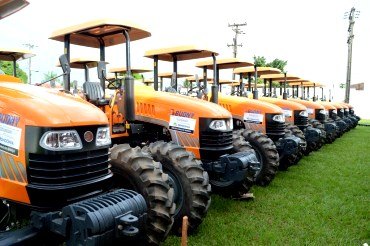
(64, 64)
(102, 70)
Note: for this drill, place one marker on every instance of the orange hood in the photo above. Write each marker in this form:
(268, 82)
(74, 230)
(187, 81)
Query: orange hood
(48, 108)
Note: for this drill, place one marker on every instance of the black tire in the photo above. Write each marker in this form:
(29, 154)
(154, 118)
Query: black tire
(136, 170)
(294, 130)
(266, 153)
(234, 188)
(189, 180)
(316, 124)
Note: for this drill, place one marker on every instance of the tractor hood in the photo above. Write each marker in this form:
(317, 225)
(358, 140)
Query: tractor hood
(311, 106)
(165, 104)
(284, 104)
(240, 105)
(339, 105)
(38, 106)
(327, 105)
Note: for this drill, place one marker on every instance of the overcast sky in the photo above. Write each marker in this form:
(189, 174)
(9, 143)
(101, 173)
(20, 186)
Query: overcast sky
(311, 35)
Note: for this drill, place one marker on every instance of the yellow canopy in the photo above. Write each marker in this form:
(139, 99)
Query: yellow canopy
(260, 70)
(169, 75)
(308, 84)
(81, 62)
(110, 31)
(182, 53)
(226, 82)
(8, 7)
(278, 77)
(200, 78)
(224, 63)
(17, 54)
(133, 70)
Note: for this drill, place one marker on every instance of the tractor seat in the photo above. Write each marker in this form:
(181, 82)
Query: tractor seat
(94, 93)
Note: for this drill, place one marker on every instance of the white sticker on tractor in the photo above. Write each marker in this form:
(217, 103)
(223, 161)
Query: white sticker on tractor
(287, 113)
(310, 110)
(182, 124)
(253, 118)
(10, 139)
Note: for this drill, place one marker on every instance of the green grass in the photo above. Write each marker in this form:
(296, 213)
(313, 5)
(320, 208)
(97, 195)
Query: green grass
(364, 121)
(324, 200)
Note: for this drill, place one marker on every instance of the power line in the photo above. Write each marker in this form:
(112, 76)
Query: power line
(236, 28)
(352, 15)
(30, 47)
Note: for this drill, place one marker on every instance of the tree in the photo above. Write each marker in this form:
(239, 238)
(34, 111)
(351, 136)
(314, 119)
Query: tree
(7, 68)
(277, 63)
(49, 76)
(259, 61)
(186, 84)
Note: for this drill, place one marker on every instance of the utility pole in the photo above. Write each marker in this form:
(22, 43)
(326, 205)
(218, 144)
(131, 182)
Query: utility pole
(236, 28)
(352, 15)
(30, 47)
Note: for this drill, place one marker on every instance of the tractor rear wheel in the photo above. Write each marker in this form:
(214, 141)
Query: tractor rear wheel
(234, 189)
(266, 153)
(294, 130)
(189, 180)
(136, 170)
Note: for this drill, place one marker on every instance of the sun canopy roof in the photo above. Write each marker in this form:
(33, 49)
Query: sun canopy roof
(260, 70)
(133, 70)
(224, 63)
(226, 82)
(279, 77)
(8, 7)
(200, 78)
(14, 54)
(308, 84)
(169, 75)
(109, 31)
(182, 53)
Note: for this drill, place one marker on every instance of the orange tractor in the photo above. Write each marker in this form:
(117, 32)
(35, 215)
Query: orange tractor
(296, 115)
(261, 124)
(153, 119)
(57, 182)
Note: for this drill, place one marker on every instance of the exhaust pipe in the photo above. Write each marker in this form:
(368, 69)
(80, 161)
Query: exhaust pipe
(129, 84)
(214, 88)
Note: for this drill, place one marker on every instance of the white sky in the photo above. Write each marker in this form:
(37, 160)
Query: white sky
(311, 35)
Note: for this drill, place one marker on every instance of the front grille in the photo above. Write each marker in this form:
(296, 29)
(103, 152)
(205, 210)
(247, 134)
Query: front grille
(300, 120)
(216, 139)
(320, 117)
(340, 113)
(65, 169)
(274, 130)
(346, 113)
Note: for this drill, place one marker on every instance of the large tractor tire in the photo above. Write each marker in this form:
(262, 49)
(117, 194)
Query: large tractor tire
(316, 124)
(233, 188)
(189, 181)
(266, 153)
(136, 170)
(293, 129)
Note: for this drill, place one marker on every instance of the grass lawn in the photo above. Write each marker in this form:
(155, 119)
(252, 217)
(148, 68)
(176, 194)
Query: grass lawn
(324, 200)
(364, 122)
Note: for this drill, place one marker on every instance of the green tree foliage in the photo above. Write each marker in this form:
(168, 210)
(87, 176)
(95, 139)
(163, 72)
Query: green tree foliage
(49, 76)
(259, 61)
(186, 84)
(7, 68)
(277, 63)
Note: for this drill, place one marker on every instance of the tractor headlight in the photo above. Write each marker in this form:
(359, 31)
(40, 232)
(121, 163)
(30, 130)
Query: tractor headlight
(61, 140)
(346, 109)
(103, 136)
(334, 111)
(322, 111)
(279, 118)
(221, 125)
(341, 110)
(303, 113)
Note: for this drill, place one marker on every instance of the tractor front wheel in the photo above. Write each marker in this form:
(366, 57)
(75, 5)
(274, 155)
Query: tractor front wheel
(133, 169)
(189, 181)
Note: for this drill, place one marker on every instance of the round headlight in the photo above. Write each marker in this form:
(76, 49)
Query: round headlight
(322, 111)
(279, 118)
(303, 113)
(221, 125)
(334, 111)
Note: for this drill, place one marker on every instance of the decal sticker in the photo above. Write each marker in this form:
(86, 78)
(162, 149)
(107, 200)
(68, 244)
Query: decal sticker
(10, 138)
(182, 124)
(253, 118)
(287, 112)
(181, 113)
(310, 110)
